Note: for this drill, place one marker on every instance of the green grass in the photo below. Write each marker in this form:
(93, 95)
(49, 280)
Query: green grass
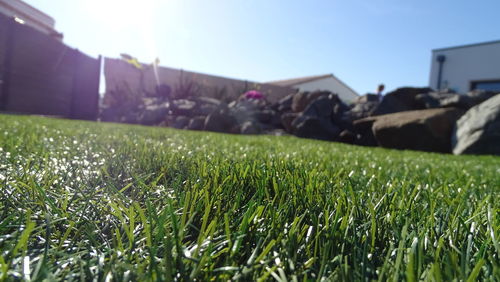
(82, 201)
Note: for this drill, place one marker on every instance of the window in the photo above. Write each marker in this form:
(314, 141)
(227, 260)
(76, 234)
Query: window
(490, 85)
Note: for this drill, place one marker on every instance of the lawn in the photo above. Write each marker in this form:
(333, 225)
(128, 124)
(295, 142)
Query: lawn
(83, 200)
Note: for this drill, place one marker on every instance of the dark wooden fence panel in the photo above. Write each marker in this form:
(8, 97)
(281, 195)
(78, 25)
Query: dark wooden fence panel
(41, 75)
(4, 62)
(85, 99)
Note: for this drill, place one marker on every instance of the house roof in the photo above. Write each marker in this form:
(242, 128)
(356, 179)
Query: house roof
(295, 81)
(467, 45)
(298, 80)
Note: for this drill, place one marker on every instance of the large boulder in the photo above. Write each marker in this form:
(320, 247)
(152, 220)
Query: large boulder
(341, 116)
(367, 98)
(457, 101)
(206, 109)
(245, 110)
(315, 128)
(423, 130)
(269, 119)
(221, 121)
(316, 120)
(347, 136)
(302, 99)
(284, 104)
(448, 99)
(442, 99)
(250, 127)
(363, 131)
(207, 100)
(363, 106)
(196, 123)
(286, 121)
(154, 113)
(321, 107)
(180, 122)
(361, 110)
(402, 99)
(478, 131)
(478, 96)
(207, 105)
(183, 107)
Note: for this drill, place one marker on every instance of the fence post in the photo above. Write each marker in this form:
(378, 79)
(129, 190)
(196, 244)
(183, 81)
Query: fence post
(7, 66)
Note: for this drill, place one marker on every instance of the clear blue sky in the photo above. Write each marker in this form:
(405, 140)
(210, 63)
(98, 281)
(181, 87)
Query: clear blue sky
(363, 42)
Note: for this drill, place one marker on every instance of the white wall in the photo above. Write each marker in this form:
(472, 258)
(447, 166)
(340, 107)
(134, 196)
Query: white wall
(466, 64)
(330, 84)
(31, 16)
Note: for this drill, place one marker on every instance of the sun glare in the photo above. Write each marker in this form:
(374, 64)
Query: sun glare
(121, 14)
(134, 18)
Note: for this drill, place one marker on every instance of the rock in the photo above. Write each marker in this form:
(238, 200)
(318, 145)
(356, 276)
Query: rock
(479, 96)
(265, 116)
(402, 99)
(362, 110)
(448, 99)
(206, 109)
(207, 100)
(306, 126)
(221, 121)
(168, 121)
(302, 99)
(286, 121)
(316, 120)
(247, 104)
(244, 110)
(181, 122)
(341, 116)
(196, 123)
(457, 101)
(154, 114)
(347, 136)
(320, 107)
(268, 116)
(275, 121)
(366, 99)
(183, 107)
(478, 131)
(363, 106)
(250, 127)
(284, 104)
(423, 130)
(364, 133)
(432, 100)
(253, 112)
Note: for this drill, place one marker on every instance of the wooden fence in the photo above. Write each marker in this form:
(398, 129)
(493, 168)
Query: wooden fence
(41, 75)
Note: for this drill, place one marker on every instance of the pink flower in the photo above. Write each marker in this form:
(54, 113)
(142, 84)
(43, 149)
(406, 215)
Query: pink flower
(254, 94)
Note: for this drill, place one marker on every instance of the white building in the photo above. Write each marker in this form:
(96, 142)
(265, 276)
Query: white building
(467, 67)
(26, 14)
(321, 82)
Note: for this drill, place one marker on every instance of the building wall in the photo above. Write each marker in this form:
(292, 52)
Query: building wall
(330, 84)
(465, 65)
(29, 15)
